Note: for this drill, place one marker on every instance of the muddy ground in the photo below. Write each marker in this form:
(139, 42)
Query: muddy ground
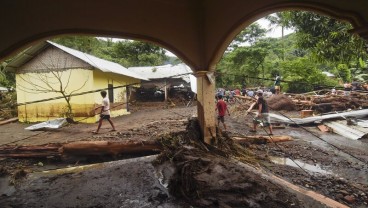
(329, 164)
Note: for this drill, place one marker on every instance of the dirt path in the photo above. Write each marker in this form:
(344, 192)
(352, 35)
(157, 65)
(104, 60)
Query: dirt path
(154, 118)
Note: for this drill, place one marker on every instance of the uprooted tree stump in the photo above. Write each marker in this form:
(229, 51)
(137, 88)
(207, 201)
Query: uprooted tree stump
(210, 176)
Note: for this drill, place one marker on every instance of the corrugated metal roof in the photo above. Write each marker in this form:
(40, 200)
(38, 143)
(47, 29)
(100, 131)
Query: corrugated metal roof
(4, 89)
(353, 132)
(101, 64)
(159, 72)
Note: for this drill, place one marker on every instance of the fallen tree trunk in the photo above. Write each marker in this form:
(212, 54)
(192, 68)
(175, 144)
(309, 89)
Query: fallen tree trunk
(109, 148)
(258, 139)
(30, 151)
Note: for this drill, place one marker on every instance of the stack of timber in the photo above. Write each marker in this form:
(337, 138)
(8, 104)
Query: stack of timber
(328, 103)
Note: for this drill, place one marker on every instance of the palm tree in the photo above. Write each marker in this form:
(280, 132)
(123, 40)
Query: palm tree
(280, 19)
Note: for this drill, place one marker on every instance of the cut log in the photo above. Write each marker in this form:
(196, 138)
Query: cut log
(323, 128)
(30, 154)
(29, 151)
(258, 139)
(109, 148)
(8, 121)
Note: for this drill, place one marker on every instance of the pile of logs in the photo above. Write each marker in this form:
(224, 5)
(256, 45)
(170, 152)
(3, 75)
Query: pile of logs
(328, 103)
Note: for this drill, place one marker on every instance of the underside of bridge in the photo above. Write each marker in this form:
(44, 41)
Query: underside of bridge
(197, 31)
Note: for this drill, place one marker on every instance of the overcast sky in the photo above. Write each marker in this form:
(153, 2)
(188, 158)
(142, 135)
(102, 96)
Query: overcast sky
(275, 32)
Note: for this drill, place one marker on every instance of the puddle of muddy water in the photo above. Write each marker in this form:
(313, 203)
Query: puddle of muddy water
(311, 168)
(5, 188)
(163, 173)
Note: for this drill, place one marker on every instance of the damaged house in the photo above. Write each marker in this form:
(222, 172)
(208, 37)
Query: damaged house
(167, 81)
(48, 70)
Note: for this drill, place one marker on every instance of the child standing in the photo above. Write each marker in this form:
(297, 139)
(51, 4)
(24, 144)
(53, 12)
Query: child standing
(221, 107)
(105, 112)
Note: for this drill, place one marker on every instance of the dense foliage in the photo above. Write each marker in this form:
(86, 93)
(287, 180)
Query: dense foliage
(318, 44)
(125, 52)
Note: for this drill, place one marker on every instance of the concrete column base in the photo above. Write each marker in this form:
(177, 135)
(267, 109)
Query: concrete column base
(206, 105)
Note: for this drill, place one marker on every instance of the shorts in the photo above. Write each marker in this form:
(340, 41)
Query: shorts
(104, 116)
(221, 118)
(264, 120)
(277, 87)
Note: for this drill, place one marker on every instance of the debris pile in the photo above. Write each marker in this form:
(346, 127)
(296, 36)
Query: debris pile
(281, 102)
(8, 107)
(327, 103)
(212, 176)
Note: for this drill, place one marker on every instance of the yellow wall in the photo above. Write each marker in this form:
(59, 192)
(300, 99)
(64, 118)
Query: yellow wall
(34, 87)
(82, 105)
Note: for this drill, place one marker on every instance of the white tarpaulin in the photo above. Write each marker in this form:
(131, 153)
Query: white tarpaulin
(193, 83)
(53, 124)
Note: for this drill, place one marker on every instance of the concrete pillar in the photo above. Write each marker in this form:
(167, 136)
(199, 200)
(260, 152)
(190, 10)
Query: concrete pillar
(206, 104)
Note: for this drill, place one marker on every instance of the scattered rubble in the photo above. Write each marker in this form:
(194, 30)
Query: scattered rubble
(202, 175)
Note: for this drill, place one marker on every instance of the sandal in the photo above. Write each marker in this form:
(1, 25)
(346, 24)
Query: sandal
(94, 132)
(252, 130)
(112, 130)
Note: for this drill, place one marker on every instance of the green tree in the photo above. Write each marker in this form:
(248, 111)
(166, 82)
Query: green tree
(126, 52)
(86, 44)
(342, 71)
(303, 75)
(7, 79)
(242, 62)
(249, 35)
(136, 53)
(280, 19)
(327, 39)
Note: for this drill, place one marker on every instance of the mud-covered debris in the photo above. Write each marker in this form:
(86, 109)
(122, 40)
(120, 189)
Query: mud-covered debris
(208, 176)
(281, 102)
(17, 175)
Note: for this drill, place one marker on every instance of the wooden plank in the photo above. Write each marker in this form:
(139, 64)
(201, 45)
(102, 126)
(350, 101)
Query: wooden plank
(109, 148)
(8, 121)
(323, 128)
(261, 138)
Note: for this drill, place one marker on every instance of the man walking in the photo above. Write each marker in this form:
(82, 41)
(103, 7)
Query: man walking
(262, 117)
(221, 107)
(105, 112)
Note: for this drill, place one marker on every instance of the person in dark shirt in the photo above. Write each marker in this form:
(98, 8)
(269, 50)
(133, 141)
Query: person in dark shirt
(262, 118)
(355, 85)
(221, 107)
(277, 84)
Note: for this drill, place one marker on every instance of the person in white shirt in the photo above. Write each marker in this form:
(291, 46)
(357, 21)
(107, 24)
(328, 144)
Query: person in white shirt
(105, 112)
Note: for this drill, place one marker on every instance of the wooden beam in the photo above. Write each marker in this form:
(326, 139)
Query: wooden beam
(8, 121)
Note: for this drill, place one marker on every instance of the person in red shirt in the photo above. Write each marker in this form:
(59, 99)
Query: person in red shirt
(221, 107)
(237, 91)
